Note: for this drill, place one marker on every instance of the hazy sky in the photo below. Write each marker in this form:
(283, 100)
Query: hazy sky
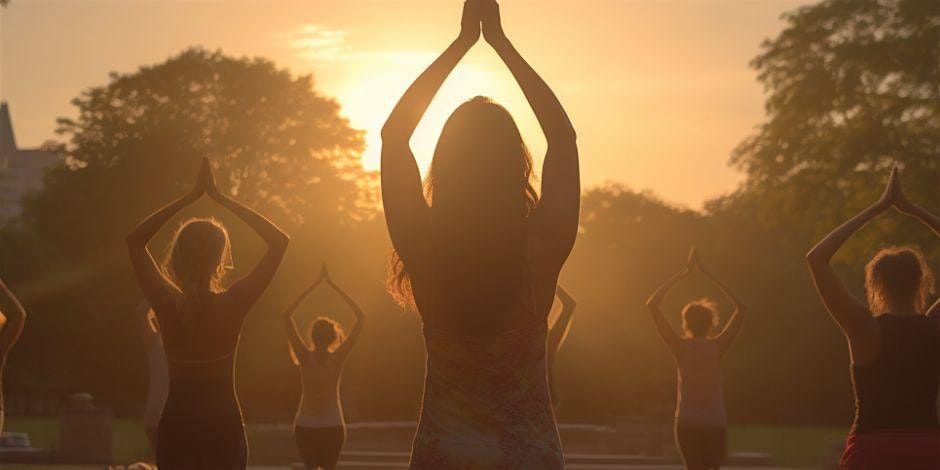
(660, 92)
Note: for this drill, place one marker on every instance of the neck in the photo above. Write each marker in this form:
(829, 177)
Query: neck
(902, 309)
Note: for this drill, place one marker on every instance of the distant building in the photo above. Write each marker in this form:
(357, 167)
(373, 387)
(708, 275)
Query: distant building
(21, 170)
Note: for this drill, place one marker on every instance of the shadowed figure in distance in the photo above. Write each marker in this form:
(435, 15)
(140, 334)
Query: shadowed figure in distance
(157, 373)
(477, 253)
(894, 343)
(319, 426)
(200, 322)
(700, 419)
(13, 316)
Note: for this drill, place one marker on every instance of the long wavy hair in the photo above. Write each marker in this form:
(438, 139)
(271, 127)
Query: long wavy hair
(196, 261)
(480, 191)
(898, 275)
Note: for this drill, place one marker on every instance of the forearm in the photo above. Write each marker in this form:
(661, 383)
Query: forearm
(406, 115)
(266, 229)
(726, 291)
(657, 297)
(147, 228)
(827, 248)
(357, 311)
(547, 108)
(929, 219)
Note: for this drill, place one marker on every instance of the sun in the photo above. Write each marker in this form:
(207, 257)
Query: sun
(368, 99)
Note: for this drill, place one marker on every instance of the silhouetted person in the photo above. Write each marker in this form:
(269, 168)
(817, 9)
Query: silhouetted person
(200, 321)
(556, 337)
(319, 427)
(14, 317)
(478, 255)
(701, 421)
(894, 347)
(158, 381)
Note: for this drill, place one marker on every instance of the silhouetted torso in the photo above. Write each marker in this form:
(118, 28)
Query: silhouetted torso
(201, 357)
(320, 404)
(700, 399)
(486, 397)
(898, 390)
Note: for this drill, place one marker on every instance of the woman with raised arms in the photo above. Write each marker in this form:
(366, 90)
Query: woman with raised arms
(200, 322)
(477, 252)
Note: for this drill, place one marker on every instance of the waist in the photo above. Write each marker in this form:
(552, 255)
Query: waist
(202, 396)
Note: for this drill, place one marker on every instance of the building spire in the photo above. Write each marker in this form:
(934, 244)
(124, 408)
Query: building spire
(7, 140)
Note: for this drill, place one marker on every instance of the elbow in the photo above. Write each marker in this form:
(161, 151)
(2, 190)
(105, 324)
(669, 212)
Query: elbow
(391, 133)
(280, 241)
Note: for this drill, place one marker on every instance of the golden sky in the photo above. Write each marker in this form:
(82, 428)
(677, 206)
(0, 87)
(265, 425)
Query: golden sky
(660, 92)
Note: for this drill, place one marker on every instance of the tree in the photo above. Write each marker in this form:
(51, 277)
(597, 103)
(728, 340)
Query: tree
(136, 144)
(853, 88)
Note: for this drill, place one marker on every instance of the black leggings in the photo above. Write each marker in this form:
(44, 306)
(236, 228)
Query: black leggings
(702, 447)
(201, 428)
(320, 447)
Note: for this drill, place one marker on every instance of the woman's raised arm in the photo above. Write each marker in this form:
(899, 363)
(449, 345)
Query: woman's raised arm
(343, 350)
(250, 287)
(406, 210)
(556, 216)
(669, 336)
(849, 312)
(156, 288)
(931, 220)
(733, 326)
(294, 339)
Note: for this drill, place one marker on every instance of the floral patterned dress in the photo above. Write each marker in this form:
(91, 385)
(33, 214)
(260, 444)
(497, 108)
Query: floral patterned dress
(486, 403)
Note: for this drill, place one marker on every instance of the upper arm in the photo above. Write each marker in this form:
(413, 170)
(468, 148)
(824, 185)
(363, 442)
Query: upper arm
(406, 210)
(556, 216)
(850, 313)
(248, 289)
(730, 332)
(294, 340)
(343, 350)
(156, 288)
(669, 336)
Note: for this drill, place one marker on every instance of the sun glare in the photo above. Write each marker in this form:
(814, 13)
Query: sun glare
(368, 101)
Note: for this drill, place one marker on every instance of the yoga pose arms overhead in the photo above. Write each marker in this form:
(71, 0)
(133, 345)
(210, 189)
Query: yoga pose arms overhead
(733, 327)
(849, 312)
(931, 220)
(15, 315)
(559, 330)
(668, 335)
(294, 340)
(249, 288)
(557, 213)
(406, 210)
(157, 289)
(343, 350)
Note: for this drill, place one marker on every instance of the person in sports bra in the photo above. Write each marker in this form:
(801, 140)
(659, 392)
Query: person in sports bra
(556, 337)
(894, 343)
(200, 322)
(700, 419)
(477, 253)
(319, 426)
(158, 379)
(14, 318)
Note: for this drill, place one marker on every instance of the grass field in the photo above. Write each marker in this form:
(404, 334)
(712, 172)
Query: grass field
(791, 446)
